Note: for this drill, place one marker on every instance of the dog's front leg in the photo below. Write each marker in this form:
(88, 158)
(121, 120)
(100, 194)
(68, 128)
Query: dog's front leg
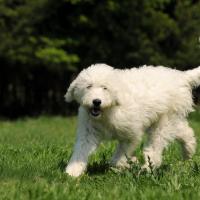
(86, 143)
(123, 152)
(84, 146)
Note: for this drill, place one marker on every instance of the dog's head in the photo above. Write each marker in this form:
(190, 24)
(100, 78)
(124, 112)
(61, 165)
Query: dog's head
(94, 89)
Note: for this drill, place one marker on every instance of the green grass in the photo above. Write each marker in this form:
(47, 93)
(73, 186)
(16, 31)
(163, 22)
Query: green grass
(33, 153)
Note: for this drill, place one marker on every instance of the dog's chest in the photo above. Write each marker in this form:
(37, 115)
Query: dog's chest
(114, 128)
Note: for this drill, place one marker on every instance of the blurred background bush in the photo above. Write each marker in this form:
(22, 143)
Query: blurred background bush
(45, 43)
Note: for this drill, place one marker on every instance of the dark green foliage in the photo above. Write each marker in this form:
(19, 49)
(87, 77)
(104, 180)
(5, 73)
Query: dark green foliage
(44, 43)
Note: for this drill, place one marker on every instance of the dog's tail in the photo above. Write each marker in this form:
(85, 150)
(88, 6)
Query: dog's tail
(193, 77)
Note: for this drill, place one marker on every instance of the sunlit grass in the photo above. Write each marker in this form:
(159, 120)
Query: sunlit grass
(33, 153)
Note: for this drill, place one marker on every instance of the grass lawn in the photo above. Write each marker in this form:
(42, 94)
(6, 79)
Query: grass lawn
(33, 153)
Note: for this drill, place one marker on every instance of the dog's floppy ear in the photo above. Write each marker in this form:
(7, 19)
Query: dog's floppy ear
(69, 96)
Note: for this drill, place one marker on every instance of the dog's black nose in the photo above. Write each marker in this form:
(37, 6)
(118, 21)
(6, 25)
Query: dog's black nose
(97, 102)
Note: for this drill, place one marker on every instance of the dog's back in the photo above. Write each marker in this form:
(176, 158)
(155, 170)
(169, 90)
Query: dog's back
(160, 89)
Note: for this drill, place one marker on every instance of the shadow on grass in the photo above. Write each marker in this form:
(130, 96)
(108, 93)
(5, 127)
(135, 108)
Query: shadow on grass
(102, 167)
(62, 165)
(97, 168)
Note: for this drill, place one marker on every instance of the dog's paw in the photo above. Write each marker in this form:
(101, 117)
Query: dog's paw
(124, 163)
(149, 167)
(134, 159)
(146, 168)
(74, 170)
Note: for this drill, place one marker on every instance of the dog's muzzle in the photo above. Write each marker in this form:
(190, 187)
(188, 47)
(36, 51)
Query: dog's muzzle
(95, 111)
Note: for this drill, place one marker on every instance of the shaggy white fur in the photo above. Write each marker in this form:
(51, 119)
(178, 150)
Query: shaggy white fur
(123, 104)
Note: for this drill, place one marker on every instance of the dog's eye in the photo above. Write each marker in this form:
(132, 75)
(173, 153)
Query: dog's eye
(105, 88)
(89, 86)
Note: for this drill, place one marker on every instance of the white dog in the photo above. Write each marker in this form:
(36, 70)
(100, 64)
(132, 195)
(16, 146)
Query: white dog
(123, 104)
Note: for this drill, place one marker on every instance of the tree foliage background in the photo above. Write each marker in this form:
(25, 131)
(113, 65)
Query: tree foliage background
(45, 43)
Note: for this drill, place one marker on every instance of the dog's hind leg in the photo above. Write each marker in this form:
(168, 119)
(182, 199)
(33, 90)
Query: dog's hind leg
(169, 128)
(186, 137)
(159, 138)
